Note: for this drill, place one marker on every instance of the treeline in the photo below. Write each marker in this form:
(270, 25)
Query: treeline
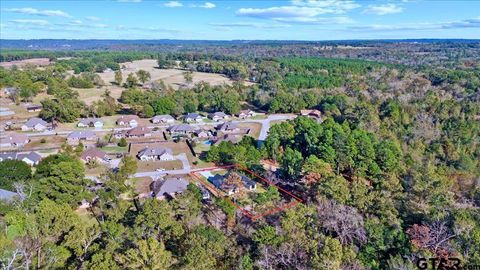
(201, 97)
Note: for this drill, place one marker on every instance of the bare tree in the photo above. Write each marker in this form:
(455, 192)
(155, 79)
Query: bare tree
(434, 237)
(342, 221)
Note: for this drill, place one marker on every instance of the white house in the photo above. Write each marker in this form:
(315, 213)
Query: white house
(155, 153)
(193, 117)
(128, 120)
(246, 114)
(157, 119)
(36, 124)
(32, 158)
(77, 136)
(217, 116)
(90, 122)
(14, 140)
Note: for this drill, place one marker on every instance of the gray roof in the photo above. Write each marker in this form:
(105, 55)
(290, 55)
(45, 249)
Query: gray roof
(180, 128)
(218, 114)
(192, 116)
(227, 126)
(90, 121)
(14, 138)
(170, 186)
(81, 134)
(6, 195)
(10, 155)
(163, 116)
(35, 121)
(155, 151)
(32, 156)
(218, 180)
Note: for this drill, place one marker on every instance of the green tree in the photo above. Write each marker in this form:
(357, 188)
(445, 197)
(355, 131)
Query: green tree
(122, 142)
(143, 76)
(12, 171)
(131, 81)
(64, 182)
(118, 77)
(147, 254)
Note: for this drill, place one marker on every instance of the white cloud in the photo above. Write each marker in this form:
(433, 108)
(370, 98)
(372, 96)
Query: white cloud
(317, 20)
(30, 22)
(173, 4)
(468, 23)
(208, 5)
(34, 11)
(93, 18)
(303, 11)
(383, 9)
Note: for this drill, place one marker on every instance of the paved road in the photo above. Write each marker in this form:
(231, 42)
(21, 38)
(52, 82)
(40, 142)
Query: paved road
(263, 132)
(266, 123)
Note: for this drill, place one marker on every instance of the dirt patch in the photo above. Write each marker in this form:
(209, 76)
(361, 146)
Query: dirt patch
(172, 77)
(22, 63)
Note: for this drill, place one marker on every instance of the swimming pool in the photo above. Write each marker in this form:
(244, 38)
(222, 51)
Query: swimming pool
(208, 142)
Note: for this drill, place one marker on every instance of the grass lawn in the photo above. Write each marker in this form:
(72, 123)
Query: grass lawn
(259, 117)
(254, 129)
(95, 171)
(115, 149)
(149, 166)
(50, 142)
(142, 184)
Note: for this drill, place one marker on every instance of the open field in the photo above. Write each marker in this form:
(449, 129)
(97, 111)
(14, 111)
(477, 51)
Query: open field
(172, 77)
(22, 63)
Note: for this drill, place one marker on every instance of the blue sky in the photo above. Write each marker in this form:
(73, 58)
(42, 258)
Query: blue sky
(226, 20)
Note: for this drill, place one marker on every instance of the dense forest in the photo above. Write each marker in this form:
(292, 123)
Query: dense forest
(390, 175)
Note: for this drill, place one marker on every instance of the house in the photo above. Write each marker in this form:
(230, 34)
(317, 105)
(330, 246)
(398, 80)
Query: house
(138, 132)
(36, 124)
(32, 158)
(227, 127)
(219, 182)
(246, 114)
(8, 156)
(9, 91)
(193, 117)
(155, 153)
(14, 140)
(168, 187)
(233, 138)
(201, 133)
(311, 113)
(217, 116)
(90, 122)
(34, 108)
(7, 196)
(94, 154)
(81, 136)
(128, 120)
(180, 129)
(162, 119)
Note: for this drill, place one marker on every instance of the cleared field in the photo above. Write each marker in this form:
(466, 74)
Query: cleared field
(22, 63)
(172, 77)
